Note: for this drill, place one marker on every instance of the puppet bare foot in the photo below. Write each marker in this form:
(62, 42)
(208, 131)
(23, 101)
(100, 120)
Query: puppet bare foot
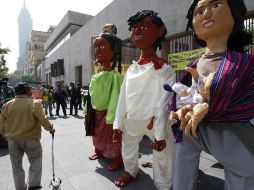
(96, 155)
(123, 180)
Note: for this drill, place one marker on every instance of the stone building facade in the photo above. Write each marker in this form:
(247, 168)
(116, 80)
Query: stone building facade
(77, 52)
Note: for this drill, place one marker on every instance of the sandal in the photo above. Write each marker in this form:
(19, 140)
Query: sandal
(123, 180)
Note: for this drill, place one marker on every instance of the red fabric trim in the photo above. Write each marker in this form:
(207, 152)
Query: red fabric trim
(157, 61)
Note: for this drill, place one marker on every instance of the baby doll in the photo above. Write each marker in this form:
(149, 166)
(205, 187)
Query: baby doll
(191, 97)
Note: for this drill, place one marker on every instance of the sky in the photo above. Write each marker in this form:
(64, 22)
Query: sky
(44, 13)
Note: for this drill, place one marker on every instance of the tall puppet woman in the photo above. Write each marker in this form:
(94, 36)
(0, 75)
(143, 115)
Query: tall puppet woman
(225, 131)
(104, 91)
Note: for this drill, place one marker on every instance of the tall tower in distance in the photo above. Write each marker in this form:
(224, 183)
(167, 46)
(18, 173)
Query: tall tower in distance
(25, 26)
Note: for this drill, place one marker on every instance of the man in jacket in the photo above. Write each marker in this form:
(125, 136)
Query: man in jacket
(20, 123)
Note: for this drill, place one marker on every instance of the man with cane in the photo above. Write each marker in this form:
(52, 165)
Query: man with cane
(20, 123)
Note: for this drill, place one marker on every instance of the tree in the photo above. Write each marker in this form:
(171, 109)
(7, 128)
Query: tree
(14, 78)
(3, 68)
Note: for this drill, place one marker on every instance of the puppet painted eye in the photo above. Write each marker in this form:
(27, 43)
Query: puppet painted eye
(215, 5)
(143, 27)
(133, 29)
(200, 12)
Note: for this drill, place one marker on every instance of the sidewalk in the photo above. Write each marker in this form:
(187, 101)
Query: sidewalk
(77, 172)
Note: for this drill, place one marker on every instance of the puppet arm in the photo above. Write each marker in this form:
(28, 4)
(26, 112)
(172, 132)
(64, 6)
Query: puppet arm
(160, 120)
(120, 114)
(193, 73)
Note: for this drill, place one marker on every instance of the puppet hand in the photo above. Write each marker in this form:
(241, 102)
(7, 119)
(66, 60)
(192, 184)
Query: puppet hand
(158, 145)
(117, 135)
(193, 118)
(150, 125)
(179, 114)
(193, 73)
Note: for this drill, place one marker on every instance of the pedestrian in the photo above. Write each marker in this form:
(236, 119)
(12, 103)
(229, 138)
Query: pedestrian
(47, 99)
(79, 96)
(141, 108)
(20, 123)
(52, 91)
(84, 94)
(74, 99)
(66, 89)
(59, 98)
(50, 100)
(102, 100)
(224, 131)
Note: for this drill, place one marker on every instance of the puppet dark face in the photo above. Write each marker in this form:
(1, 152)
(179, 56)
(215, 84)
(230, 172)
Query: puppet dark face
(103, 51)
(212, 18)
(144, 33)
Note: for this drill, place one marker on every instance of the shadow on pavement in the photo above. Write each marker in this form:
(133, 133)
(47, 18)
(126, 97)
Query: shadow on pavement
(4, 152)
(52, 118)
(111, 175)
(79, 116)
(144, 147)
(207, 182)
(58, 116)
(138, 183)
(142, 177)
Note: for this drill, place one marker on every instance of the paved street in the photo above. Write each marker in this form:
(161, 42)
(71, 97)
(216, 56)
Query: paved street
(77, 172)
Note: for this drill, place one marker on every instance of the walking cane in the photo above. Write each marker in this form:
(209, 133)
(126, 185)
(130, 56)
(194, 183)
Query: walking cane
(54, 183)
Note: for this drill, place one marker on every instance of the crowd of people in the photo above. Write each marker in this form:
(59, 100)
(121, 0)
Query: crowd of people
(209, 110)
(62, 96)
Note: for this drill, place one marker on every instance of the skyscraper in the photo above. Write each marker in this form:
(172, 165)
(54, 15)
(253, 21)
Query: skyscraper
(25, 25)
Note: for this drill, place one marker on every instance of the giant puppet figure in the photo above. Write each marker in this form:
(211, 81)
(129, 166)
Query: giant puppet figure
(104, 91)
(142, 102)
(220, 126)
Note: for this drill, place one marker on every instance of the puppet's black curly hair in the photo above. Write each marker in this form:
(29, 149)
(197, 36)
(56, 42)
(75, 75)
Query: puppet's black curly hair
(155, 18)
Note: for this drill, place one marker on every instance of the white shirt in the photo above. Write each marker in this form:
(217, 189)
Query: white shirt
(142, 96)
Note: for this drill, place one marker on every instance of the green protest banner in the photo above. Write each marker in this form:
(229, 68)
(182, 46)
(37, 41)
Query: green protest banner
(178, 61)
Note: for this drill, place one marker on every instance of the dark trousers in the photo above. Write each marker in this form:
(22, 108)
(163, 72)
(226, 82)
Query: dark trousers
(84, 100)
(73, 103)
(79, 103)
(62, 103)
